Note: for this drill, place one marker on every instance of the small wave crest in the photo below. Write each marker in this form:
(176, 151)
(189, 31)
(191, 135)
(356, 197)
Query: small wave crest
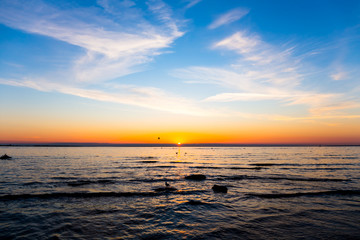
(233, 168)
(310, 194)
(88, 182)
(151, 180)
(298, 164)
(95, 194)
(148, 161)
(247, 177)
(162, 166)
(265, 164)
(32, 183)
(180, 162)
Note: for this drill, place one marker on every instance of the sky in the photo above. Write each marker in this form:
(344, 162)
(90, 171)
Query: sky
(189, 71)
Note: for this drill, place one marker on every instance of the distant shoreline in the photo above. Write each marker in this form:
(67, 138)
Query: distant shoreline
(172, 145)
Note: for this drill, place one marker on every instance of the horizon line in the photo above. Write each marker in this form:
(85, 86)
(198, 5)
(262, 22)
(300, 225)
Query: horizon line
(95, 144)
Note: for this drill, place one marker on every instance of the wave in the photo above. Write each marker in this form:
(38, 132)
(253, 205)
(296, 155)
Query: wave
(32, 183)
(149, 157)
(105, 181)
(136, 158)
(234, 168)
(207, 167)
(95, 194)
(310, 194)
(79, 182)
(161, 166)
(87, 182)
(299, 165)
(320, 168)
(145, 167)
(181, 162)
(74, 183)
(255, 168)
(64, 178)
(151, 180)
(246, 177)
(264, 164)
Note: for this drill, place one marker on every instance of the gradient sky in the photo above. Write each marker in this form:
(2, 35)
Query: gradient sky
(194, 71)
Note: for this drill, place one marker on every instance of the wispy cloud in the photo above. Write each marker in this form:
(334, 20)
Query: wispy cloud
(284, 118)
(192, 3)
(230, 97)
(116, 48)
(112, 49)
(253, 50)
(339, 76)
(117, 38)
(259, 67)
(310, 118)
(145, 97)
(253, 86)
(228, 17)
(264, 72)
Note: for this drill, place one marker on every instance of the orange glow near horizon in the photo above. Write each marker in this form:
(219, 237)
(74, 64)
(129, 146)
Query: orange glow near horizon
(190, 138)
(223, 133)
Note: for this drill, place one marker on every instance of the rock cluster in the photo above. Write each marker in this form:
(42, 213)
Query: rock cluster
(219, 189)
(197, 177)
(5, 156)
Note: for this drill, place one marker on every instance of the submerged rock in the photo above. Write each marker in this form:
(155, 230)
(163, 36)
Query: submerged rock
(197, 177)
(220, 189)
(195, 202)
(5, 157)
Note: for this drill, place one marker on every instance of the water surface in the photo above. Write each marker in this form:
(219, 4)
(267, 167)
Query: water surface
(111, 192)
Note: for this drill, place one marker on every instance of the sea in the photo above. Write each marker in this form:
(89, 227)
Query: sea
(278, 192)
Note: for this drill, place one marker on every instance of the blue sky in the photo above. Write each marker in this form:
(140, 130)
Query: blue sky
(237, 60)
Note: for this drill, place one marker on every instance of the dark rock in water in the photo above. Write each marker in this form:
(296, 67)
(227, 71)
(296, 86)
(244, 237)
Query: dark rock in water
(197, 177)
(195, 202)
(5, 157)
(220, 189)
(165, 189)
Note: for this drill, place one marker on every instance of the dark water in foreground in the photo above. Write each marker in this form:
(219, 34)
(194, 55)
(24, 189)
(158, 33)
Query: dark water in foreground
(109, 193)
